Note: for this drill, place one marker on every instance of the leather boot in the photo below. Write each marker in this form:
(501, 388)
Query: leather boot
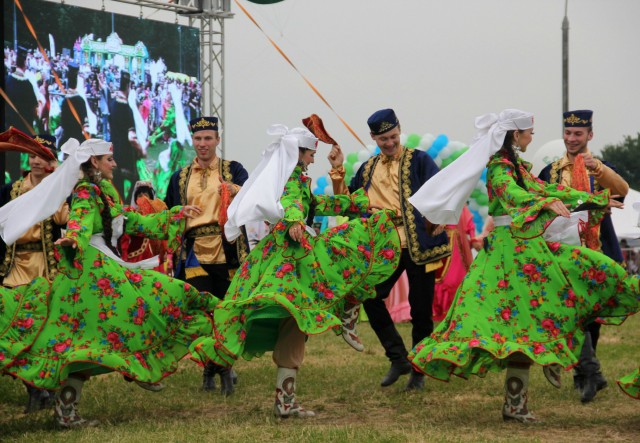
(66, 405)
(208, 380)
(516, 388)
(396, 352)
(234, 376)
(349, 320)
(286, 404)
(416, 382)
(34, 400)
(553, 374)
(226, 380)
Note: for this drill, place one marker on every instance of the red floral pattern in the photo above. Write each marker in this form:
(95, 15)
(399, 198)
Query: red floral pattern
(282, 278)
(526, 295)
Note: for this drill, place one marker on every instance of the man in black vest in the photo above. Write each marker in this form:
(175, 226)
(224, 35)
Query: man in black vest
(578, 131)
(208, 261)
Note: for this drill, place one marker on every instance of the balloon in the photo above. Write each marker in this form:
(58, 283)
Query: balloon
(318, 190)
(456, 145)
(322, 182)
(483, 200)
(363, 155)
(403, 139)
(328, 190)
(445, 152)
(438, 162)
(352, 157)
(483, 177)
(426, 141)
(412, 142)
(475, 194)
(484, 212)
(440, 142)
(473, 206)
(376, 151)
(433, 153)
(348, 169)
(446, 162)
(356, 166)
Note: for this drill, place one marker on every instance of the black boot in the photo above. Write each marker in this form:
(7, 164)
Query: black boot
(208, 380)
(396, 352)
(34, 400)
(226, 380)
(234, 376)
(589, 389)
(416, 382)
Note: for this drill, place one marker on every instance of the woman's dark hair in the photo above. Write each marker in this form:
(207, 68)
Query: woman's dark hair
(95, 177)
(302, 151)
(507, 147)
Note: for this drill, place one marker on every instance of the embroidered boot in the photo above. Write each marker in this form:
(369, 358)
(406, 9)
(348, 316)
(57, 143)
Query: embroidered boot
(286, 404)
(66, 405)
(349, 320)
(515, 396)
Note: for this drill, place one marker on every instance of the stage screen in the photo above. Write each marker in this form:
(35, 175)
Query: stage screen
(95, 54)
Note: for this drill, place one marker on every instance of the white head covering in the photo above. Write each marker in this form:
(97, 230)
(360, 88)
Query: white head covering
(17, 216)
(443, 196)
(259, 198)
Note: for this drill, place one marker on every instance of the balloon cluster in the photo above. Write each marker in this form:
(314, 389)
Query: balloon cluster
(443, 152)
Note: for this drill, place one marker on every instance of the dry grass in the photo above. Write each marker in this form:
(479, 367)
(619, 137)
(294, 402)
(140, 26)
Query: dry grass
(343, 387)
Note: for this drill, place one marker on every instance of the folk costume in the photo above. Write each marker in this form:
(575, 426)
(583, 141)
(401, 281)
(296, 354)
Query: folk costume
(286, 290)
(588, 377)
(32, 255)
(99, 314)
(389, 182)
(207, 259)
(525, 298)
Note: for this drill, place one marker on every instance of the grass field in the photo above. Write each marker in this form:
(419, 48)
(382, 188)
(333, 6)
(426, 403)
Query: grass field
(342, 386)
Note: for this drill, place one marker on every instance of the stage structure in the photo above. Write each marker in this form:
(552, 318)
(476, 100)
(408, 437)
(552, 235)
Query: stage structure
(209, 16)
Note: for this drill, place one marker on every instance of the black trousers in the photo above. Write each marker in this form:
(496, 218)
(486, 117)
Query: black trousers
(421, 288)
(216, 282)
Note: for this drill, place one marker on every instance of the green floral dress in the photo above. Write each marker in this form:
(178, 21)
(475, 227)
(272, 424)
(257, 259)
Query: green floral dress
(97, 315)
(524, 294)
(307, 281)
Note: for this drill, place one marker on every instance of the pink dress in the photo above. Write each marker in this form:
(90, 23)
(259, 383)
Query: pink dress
(456, 266)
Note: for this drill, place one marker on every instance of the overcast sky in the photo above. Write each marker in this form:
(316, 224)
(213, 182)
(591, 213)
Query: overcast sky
(438, 63)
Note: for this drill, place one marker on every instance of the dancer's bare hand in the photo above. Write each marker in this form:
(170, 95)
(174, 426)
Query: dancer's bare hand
(67, 242)
(336, 157)
(296, 231)
(191, 211)
(559, 208)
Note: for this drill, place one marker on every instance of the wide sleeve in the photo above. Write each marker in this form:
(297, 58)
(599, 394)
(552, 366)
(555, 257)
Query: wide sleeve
(82, 216)
(164, 225)
(526, 206)
(352, 205)
(291, 201)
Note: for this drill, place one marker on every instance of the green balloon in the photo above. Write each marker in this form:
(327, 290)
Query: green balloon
(446, 162)
(413, 140)
(348, 168)
(475, 194)
(483, 200)
(352, 158)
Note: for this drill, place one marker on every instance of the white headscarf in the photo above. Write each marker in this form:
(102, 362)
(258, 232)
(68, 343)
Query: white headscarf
(20, 214)
(443, 196)
(259, 198)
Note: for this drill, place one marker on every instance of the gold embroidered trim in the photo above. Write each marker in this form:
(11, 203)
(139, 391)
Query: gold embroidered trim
(204, 231)
(574, 120)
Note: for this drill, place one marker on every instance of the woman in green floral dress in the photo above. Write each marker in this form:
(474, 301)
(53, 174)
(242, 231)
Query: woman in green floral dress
(525, 299)
(293, 285)
(98, 315)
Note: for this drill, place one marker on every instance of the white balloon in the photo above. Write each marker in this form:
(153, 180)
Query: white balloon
(456, 145)
(438, 161)
(328, 190)
(356, 166)
(473, 205)
(363, 155)
(484, 211)
(403, 139)
(446, 152)
(426, 141)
